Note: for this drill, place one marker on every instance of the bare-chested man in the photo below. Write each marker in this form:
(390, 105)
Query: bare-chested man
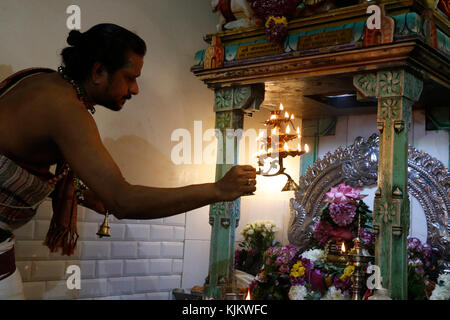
(45, 119)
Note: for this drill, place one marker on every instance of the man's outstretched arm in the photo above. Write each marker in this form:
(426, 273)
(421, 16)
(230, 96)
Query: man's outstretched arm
(74, 131)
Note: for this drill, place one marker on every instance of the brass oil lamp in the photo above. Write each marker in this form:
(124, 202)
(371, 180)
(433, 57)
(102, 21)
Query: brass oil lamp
(276, 145)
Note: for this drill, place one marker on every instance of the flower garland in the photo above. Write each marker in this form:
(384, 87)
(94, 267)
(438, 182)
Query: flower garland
(276, 14)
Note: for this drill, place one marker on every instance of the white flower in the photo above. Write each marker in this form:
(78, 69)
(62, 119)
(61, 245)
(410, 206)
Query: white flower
(335, 294)
(298, 293)
(445, 278)
(440, 293)
(250, 232)
(314, 255)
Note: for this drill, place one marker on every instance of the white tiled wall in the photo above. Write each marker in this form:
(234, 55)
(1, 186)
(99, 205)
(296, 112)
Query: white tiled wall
(142, 260)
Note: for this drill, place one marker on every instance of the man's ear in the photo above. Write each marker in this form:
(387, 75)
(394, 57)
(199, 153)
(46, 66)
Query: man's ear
(98, 72)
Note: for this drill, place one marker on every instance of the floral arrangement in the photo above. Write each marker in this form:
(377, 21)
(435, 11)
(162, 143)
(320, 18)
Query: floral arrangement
(289, 274)
(339, 218)
(419, 268)
(275, 13)
(258, 236)
(442, 289)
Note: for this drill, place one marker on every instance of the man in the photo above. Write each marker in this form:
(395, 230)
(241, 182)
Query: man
(45, 120)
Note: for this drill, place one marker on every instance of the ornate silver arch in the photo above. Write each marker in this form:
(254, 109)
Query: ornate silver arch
(357, 165)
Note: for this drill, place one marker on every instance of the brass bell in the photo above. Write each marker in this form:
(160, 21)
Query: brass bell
(103, 231)
(290, 185)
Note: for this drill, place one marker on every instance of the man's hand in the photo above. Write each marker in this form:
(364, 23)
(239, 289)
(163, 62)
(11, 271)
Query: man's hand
(237, 182)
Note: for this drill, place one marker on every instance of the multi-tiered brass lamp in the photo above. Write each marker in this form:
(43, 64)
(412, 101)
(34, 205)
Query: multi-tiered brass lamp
(276, 145)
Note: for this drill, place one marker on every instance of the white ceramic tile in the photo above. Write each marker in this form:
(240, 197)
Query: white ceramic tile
(87, 230)
(24, 269)
(93, 288)
(160, 266)
(172, 250)
(146, 284)
(178, 233)
(117, 232)
(177, 266)
(58, 290)
(48, 270)
(45, 211)
(197, 224)
(34, 250)
(158, 296)
(134, 297)
(95, 250)
(149, 249)
(41, 229)
(136, 267)
(109, 268)
(161, 233)
(26, 232)
(120, 286)
(196, 263)
(87, 267)
(169, 282)
(137, 232)
(124, 250)
(34, 290)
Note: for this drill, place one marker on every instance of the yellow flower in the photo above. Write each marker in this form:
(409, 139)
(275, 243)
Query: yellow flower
(294, 274)
(301, 271)
(348, 272)
(276, 20)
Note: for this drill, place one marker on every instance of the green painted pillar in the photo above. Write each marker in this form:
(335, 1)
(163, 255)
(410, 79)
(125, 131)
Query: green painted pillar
(230, 105)
(396, 91)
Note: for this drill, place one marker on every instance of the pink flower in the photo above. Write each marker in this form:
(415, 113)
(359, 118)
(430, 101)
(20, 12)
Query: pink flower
(284, 268)
(343, 194)
(342, 214)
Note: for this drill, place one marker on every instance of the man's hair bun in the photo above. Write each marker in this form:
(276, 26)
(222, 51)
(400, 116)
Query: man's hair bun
(74, 38)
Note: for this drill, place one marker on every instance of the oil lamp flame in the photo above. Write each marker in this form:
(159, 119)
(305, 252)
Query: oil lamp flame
(306, 148)
(286, 115)
(288, 129)
(281, 106)
(299, 147)
(286, 147)
(248, 296)
(273, 117)
(343, 248)
(292, 116)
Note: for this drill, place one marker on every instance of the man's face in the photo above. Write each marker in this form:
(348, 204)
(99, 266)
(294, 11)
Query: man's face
(121, 85)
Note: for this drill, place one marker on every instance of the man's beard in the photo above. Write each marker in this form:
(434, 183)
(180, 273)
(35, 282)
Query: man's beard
(115, 105)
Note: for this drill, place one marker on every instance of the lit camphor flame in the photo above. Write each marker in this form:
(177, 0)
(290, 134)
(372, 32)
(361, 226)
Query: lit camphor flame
(306, 148)
(286, 147)
(288, 129)
(248, 296)
(286, 115)
(281, 106)
(343, 248)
